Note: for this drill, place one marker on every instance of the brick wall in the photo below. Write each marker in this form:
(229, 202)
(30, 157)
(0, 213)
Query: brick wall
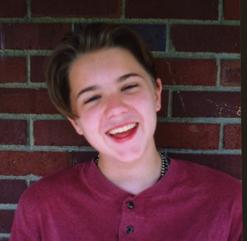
(196, 45)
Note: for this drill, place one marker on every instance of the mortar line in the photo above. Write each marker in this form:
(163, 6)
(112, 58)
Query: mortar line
(168, 38)
(119, 20)
(202, 152)
(90, 149)
(218, 73)
(122, 9)
(200, 120)
(72, 27)
(21, 178)
(28, 70)
(29, 15)
(31, 134)
(169, 106)
(47, 117)
(25, 52)
(220, 11)
(5, 235)
(17, 116)
(203, 88)
(202, 55)
(221, 137)
(219, 88)
(27, 85)
(8, 206)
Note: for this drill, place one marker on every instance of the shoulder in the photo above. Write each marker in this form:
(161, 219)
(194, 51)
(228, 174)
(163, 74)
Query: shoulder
(214, 190)
(206, 179)
(52, 187)
(213, 194)
(47, 195)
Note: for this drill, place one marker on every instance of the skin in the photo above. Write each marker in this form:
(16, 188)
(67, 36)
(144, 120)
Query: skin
(111, 90)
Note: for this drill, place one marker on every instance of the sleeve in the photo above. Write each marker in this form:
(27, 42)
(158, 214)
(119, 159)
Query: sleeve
(25, 225)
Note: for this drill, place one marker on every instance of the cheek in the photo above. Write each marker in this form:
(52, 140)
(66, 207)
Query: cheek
(146, 102)
(89, 122)
(91, 129)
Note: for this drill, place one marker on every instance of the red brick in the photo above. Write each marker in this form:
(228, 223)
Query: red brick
(186, 71)
(8, 64)
(32, 36)
(36, 163)
(232, 9)
(164, 104)
(56, 133)
(232, 137)
(80, 157)
(230, 73)
(29, 101)
(154, 35)
(190, 9)
(11, 190)
(38, 68)
(6, 219)
(13, 8)
(73, 8)
(185, 135)
(206, 38)
(206, 104)
(13, 132)
(230, 164)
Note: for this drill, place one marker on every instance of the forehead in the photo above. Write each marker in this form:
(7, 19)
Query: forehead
(105, 61)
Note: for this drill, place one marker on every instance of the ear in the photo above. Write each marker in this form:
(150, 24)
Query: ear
(158, 92)
(75, 124)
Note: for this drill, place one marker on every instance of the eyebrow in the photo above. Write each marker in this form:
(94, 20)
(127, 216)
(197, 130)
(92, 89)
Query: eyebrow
(90, 88)
(120, 79)
(126, 76)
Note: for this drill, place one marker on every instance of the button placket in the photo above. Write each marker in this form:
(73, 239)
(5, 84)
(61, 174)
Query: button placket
(130, 205)
(130, 229)
(127, 227)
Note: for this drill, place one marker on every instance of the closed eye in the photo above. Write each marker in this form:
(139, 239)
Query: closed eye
(92, 99)
(129, 87)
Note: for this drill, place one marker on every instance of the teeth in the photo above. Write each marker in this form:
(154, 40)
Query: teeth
(122, 129)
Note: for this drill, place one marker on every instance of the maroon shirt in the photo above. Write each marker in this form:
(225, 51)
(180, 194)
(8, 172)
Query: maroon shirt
(190, 203)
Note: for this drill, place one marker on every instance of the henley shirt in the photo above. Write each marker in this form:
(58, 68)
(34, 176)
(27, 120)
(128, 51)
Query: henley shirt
(190, 203)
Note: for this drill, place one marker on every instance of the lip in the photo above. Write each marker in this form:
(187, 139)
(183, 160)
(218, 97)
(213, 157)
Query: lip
(124, 136)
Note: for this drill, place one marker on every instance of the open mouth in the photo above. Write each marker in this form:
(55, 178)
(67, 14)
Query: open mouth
(124, 132)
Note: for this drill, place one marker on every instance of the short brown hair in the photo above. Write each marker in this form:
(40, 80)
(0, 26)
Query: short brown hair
(90, 37)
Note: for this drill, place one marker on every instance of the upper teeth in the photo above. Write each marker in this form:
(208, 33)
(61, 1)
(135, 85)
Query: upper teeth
(122, 129)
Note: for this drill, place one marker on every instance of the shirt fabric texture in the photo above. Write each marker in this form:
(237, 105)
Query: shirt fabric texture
(190, 203)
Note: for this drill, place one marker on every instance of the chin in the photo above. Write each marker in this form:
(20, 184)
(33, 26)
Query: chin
(129, 155)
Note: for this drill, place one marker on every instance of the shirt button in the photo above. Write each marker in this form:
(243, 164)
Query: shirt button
(129, 229)
(130, 205)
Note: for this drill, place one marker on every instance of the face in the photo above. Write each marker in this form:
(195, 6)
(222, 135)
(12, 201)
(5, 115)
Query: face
(116, 103)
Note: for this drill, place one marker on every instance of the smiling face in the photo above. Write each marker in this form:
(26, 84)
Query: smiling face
(116, 102)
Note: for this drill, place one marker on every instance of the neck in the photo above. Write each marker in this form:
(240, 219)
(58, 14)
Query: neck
(133, 176)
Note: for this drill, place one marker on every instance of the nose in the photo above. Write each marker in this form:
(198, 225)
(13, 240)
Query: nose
(115, 106)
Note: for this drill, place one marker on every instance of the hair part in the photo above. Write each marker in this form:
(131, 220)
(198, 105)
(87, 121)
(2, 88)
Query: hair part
(89, 38)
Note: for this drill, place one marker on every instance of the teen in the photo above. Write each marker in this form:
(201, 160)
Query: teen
(102, 79)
